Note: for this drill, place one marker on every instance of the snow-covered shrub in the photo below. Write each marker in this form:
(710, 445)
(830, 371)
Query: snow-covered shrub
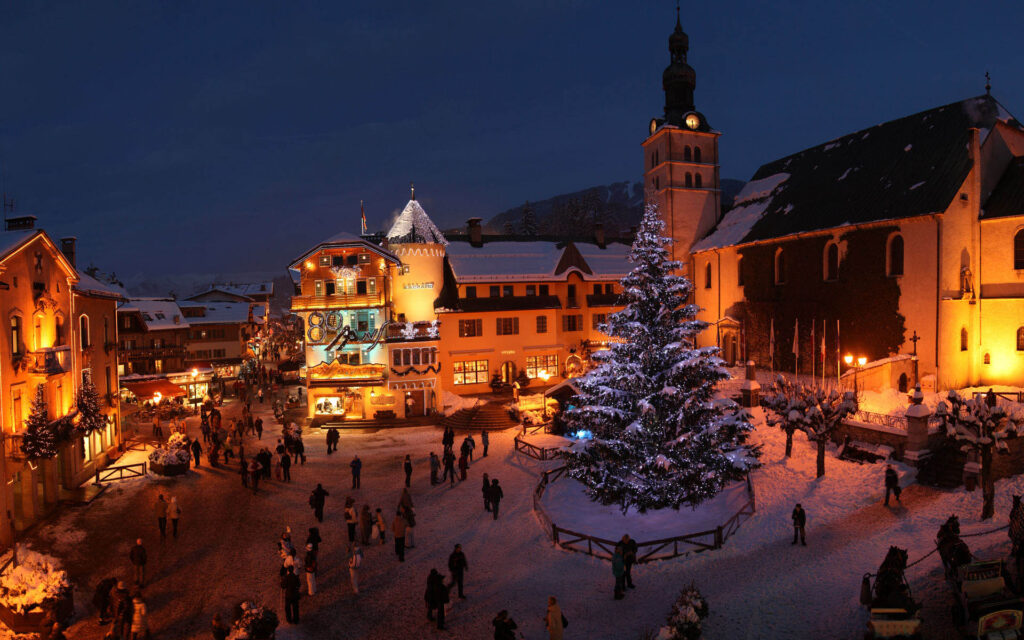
(170, 456)
(688, 612)
(178, 441)
(37, 582)
(256, 623)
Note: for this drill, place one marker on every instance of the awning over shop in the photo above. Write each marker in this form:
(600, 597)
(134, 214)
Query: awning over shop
(148, 388)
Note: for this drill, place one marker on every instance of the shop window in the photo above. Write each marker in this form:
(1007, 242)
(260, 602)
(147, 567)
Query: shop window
(895, 264)
(542, 324)
(536, 364)
(471, 328)
(831, 262)
(470, 372)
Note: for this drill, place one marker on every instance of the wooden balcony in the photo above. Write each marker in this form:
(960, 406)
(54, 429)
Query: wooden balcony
(352, 374)
(339, 301)
(50, 361)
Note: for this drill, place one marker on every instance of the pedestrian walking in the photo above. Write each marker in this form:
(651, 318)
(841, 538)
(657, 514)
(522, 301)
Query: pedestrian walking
(197, 450)
(487, 493)
(101, 599)
(365, 525)
(495, 498)
(457, 565)
(300, 451)
(619, 572)
(317, 499)
(121, 602)
(174, 512)
(485, 440)
(463, 466)
(449, 467)
(892, 484)
(255, 470)
(554, 619)
(435, 466)
(504, 626)
(408, 471)
(311, 568)
(286, 467)
(355, 560)
(258, 424)
(161, 516)
(472, 446)
(140, 627)
(290, 586)
(629, 551)
(351, 519)
(357, 467)
(464, 448)
(137, 555)
(381, 525)
(313, 538)
(448, 439)
(436, 597)
(799, 522)
(398, 528)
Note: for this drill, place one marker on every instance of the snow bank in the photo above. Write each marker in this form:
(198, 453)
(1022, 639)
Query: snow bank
(454, 402)
(36, 580)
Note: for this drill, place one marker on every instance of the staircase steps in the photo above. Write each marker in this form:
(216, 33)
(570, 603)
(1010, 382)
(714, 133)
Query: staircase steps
(491, 415)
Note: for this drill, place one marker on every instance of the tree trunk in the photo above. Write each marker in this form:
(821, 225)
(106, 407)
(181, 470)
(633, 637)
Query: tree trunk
(988, 485)
(821, 456)
(789, 442)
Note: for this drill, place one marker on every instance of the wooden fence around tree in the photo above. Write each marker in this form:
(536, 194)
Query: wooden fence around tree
(533, 451)
(647, 551)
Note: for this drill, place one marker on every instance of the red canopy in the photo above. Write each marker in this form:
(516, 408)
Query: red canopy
(147, 389)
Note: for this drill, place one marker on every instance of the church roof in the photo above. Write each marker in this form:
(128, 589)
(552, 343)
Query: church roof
(906, 167)
(1007, 198)
(413, 225)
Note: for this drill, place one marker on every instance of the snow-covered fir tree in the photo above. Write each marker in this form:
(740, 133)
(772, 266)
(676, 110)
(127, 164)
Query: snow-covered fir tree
(39, 440)
(87, 401)
(528, 222)
(660, 439)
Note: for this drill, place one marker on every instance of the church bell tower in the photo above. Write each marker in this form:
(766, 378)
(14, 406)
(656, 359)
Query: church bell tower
(681, 156)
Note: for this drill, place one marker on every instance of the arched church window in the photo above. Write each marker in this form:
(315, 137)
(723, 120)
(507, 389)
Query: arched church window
(696, 154)
(1018, 250)
(963, 338)
(707, 275)
(689, 180)
(831, 262)
(895, 265)
(697, 180)
(687, 153)
(779, 271)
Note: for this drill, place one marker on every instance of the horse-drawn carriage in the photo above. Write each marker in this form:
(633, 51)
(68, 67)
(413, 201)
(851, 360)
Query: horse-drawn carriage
(985, 606)
(893, 609)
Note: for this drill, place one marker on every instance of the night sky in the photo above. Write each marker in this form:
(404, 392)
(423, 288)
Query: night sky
(178, 137)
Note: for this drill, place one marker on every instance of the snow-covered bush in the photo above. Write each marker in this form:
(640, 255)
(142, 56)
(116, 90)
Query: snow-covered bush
(178, 441)
(256, 623)
(170, 456)
(688, 612)
(37, 582)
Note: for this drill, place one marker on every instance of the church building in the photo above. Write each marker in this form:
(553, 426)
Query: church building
(903, 241)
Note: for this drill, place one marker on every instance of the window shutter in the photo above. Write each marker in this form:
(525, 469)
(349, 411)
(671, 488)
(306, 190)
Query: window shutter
(515, 325)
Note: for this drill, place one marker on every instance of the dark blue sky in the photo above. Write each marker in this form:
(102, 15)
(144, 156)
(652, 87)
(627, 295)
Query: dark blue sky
(209, 136)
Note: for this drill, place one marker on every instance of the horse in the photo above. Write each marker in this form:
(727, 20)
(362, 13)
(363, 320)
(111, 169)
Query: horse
(953, 551)
(890, 590)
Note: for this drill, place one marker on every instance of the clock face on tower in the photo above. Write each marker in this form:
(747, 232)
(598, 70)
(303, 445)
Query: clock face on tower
(654, 125)
(692, 120)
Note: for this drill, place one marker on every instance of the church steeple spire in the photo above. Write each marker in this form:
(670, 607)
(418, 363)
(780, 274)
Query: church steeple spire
(679, 78)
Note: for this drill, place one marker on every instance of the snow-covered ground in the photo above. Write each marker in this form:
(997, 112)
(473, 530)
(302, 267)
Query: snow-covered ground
(758, 585)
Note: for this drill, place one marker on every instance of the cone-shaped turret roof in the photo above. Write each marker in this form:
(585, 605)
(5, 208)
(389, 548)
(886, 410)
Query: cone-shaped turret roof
(413, 225)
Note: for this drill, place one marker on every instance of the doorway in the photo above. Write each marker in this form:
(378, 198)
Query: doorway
(508, 372)
(419, 405)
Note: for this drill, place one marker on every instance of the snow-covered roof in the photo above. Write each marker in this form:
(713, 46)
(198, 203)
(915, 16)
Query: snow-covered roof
(344, 240)
(413, 225)
(11, 240)
(610, 262)
(91, 286)
(749, 206)
(157, 313)
(218, 312)
(497, 261)
(247, 290)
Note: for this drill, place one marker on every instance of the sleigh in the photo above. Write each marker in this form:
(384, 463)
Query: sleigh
(985, 607)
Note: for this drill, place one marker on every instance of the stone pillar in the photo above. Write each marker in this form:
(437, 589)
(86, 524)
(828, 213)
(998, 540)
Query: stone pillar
(917, 429)
(750, 390)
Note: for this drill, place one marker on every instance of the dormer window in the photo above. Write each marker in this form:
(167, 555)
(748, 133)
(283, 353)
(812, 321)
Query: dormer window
(325, 260)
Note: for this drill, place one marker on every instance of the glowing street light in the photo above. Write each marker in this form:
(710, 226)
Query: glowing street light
(861, 361)
(848, 359)
(545, 376)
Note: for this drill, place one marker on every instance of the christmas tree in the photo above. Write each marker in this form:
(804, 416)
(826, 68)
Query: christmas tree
(660, 440)
(87, 400)
(39, 440)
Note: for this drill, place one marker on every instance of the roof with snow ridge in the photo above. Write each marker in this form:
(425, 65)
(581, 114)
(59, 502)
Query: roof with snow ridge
(413, 225)
(906, 167)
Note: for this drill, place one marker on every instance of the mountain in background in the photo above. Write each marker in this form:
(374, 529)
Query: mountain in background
(618, 206)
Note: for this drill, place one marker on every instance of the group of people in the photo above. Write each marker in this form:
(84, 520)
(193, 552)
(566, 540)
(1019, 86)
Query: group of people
(448, 460)
(123, 610)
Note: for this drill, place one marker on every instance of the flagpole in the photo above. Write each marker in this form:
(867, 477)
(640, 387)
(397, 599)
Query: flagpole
(771, 346)
(824, 347)
(839, 356)
(796, 349)
(814, 323)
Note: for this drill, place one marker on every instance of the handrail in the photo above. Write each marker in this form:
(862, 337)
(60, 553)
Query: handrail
(567, 538)
(135, 470)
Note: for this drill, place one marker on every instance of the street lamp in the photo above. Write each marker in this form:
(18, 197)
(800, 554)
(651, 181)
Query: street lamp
(545, 376)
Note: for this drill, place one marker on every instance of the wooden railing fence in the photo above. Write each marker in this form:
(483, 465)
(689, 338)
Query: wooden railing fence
(533, 451)
(120, 472)
(647, 551)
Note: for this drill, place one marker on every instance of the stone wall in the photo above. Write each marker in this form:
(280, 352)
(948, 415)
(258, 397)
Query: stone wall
(872, 434)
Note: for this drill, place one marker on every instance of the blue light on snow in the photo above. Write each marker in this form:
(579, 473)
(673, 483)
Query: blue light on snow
(583, 434)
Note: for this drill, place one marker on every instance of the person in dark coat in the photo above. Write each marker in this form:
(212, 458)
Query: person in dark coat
(449, 466)
(485, 440)
(314, 538)
(457, 565)
(619, 572)
(317, 501)
(892, 484)
(495, 497)
(357, 467)
(138, 557)
(435, 466)
(991, 399)
(799, 522)
(408, 471)
(290, 585)
(436, 597)
(197, 450)
(300, 451)
(629, 550)
(504, 626)
(101, 598)
(463, 466)
(448, 439)
(258, 424)
(286, 467)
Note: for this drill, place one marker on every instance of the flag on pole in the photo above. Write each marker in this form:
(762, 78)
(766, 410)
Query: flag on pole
(838, 350)
(824, 332)
(814, 323)
(796, 347)
(362, 212)
(771, 344)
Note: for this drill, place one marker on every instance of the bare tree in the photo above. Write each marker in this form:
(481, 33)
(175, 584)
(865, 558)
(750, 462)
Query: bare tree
(815, 411)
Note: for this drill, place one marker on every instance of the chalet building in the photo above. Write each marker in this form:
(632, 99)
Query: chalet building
(59, 328)
(219, 335)
(905, 238)
(258, 294)
(153, 336)
(393, 322)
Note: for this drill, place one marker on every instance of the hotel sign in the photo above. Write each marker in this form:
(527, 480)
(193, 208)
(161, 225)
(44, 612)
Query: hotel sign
(418, 285)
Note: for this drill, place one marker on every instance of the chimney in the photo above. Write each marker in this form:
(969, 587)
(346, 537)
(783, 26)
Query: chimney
(599, 235)
(67, 247)
(20, 223)
(475, 232)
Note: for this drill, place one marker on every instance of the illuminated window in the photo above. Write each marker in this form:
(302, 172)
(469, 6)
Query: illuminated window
(831, 262)
(318, 288)
(779, 271)
(988, 359)
(471, 328)
(536, 364)
(325, 260)
(371, 286)
(471, 372)
(963, 339)
(895, 264)
(1018, 250)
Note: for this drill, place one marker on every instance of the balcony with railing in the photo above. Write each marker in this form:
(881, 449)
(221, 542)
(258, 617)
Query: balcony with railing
(165, 351)
(50, 361)
(412, 331)
(339, 373)
(339, 301)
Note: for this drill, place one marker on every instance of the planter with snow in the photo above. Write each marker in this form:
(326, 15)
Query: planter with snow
(254, 623)
(38, 587)
(170, 460)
